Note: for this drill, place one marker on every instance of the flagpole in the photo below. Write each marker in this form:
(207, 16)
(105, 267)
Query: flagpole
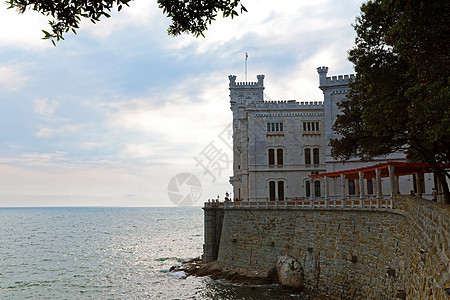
(246, 57)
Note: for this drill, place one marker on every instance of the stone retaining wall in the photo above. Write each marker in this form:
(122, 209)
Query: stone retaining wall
(213, 220)
(347, 253)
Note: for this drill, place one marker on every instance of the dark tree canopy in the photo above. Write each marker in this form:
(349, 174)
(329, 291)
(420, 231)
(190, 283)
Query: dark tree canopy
(400, 98)
(191, 16)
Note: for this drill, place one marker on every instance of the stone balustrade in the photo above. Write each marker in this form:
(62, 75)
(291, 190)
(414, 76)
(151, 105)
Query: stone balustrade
(306, 203)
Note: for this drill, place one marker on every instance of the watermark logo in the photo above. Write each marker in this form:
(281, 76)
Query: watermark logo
(184, 189)
(212, 159)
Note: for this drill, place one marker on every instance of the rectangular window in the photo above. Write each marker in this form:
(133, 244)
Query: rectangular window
(307, 189)
(316, 156)
(309, 126)
(280, 190)
(312, 126)
(369, 186)
(317, 188)
(274, 127)
(280, 157)
(351, 187)
(317, 126)
(307, 156)
(272, 190)
(304, 126)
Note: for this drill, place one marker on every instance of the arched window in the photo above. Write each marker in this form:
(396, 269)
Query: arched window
(308, 188)
(281, 190)
(275, 158)
(307, 156)
(272, 190)
(271, 157)
(276, 190)
(351, 187)
(317, 188)
(316, 159)
(369, 186)
(280, 157)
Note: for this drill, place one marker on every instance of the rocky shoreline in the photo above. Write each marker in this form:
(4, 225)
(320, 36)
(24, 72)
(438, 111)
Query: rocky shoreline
(194, 267)
(282, 273)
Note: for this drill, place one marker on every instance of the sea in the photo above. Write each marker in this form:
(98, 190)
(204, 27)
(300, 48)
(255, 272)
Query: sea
(109, 253)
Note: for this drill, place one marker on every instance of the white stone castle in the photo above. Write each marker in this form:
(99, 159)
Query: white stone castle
(277, 145)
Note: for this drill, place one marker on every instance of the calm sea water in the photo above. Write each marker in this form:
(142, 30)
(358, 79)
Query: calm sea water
(108, 253)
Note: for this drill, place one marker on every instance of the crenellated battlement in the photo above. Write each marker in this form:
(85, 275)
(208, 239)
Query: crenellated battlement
(246, 83)
(292, 102)
(325, 81)
(286, 104)
(322, 70)
(234, 84)
(243, 93)
(340, 79)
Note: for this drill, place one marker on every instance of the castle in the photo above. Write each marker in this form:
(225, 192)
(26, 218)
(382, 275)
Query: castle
(277, 145)
(346, 224)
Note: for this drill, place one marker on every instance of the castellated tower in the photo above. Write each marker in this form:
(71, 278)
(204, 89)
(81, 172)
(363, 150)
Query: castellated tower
(335, 89)
(276, 144)
(242, 94)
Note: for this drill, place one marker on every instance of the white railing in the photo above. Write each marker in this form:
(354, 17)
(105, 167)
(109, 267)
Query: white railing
(303, 203)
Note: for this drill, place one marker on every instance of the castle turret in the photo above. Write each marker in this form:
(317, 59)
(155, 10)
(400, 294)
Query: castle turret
(243, 93)
(335, 89)
(341, 81)
(322, 75)
(232, 80)
(260, 80)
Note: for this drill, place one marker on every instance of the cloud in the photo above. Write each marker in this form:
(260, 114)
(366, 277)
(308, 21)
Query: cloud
(55, 125)
(34, 159)
(178, 117)
(39, 179)
(45, 132)
(45, 107)
(140, 13)
(12, 78)
(90, 145)
(121, 108)
(144, 150)
(22, 31)
(288, 24)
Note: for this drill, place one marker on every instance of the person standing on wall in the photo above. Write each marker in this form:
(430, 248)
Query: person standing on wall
(434, 194)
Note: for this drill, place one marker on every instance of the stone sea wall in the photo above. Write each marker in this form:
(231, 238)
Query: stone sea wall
(400, 253)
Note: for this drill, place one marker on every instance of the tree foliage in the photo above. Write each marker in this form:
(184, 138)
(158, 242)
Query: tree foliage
(400, 97)
(188, 16)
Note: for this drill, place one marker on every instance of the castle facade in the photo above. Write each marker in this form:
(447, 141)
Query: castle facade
(277, 145)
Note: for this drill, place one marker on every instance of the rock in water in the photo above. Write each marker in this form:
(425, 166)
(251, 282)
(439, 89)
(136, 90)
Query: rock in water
(288, 272)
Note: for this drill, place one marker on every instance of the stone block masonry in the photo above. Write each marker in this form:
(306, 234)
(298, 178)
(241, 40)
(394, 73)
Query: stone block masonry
(213, 220)
(346, 253)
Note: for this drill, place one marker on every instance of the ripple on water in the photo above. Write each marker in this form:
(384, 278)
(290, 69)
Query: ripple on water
(107, 253)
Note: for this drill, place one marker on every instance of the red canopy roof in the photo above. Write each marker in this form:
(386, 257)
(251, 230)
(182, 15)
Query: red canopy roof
(400, 169)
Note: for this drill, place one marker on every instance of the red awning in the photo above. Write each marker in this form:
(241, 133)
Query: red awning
(400, 169)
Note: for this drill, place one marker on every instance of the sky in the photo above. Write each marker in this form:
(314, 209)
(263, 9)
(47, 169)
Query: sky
(121, 114)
